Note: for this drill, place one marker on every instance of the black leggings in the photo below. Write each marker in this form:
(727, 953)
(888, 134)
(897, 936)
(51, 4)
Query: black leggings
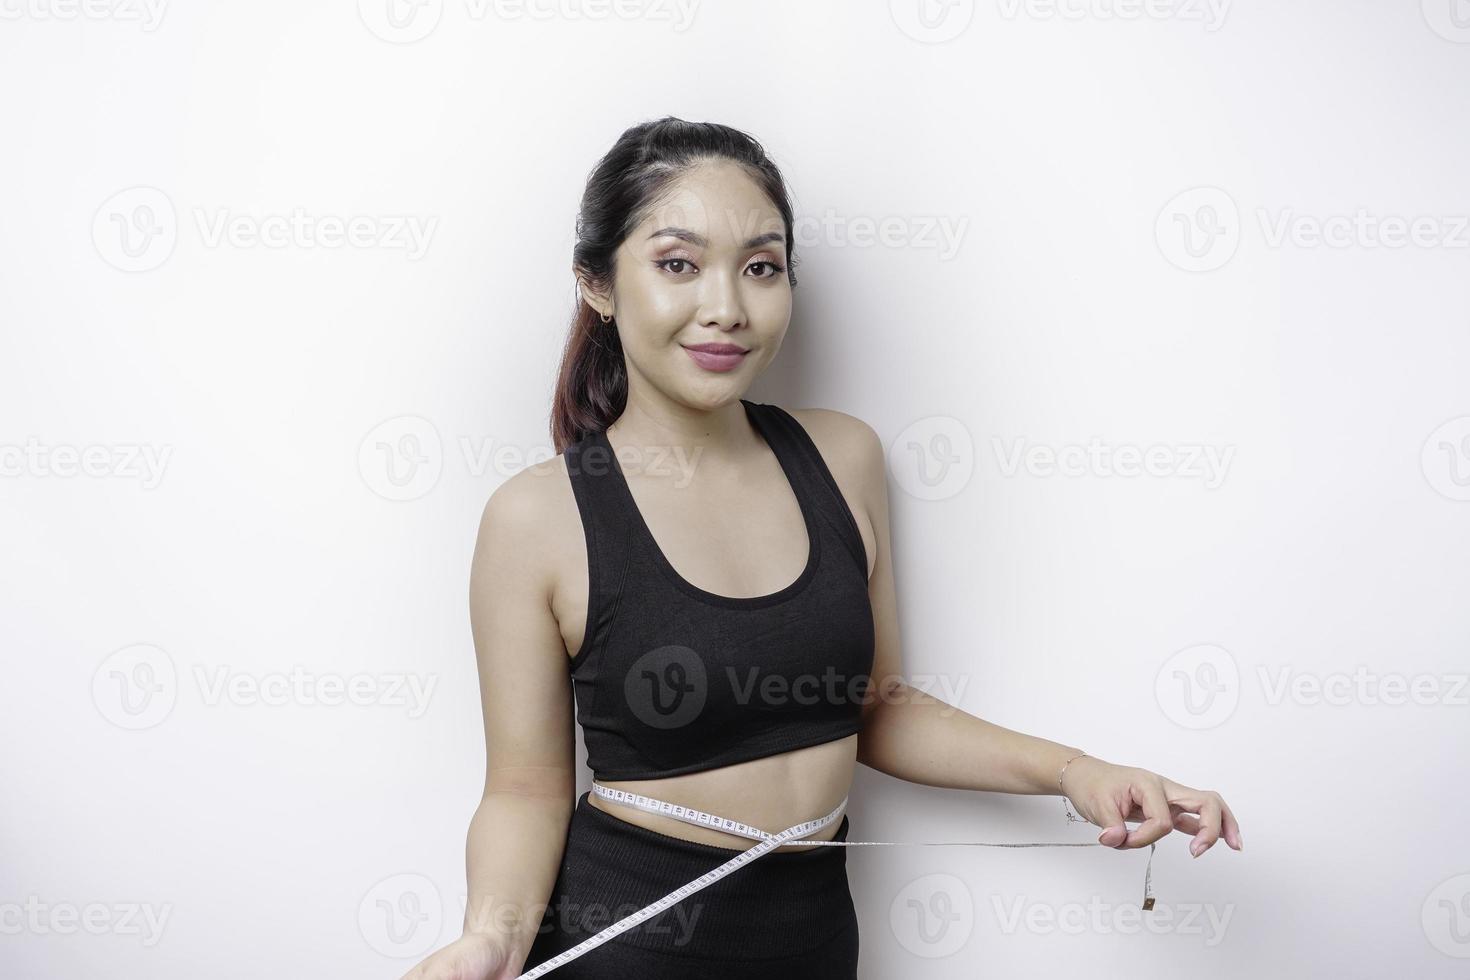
(786, 913)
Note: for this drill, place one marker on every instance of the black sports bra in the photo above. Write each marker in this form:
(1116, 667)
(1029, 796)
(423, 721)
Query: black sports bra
(672, 679)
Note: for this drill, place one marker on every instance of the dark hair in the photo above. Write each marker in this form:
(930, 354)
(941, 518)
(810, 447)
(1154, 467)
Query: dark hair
(592, 384)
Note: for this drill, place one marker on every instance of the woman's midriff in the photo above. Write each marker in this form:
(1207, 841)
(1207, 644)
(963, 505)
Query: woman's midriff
(770, 793)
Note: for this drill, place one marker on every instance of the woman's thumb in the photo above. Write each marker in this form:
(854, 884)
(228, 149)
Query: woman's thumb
(1111, 817)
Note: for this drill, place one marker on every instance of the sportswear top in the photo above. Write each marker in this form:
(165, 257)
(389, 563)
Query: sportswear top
(673, 679)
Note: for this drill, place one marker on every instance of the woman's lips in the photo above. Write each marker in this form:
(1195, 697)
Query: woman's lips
(716, 357)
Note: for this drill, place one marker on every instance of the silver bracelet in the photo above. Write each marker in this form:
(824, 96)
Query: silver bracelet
(1066, 807)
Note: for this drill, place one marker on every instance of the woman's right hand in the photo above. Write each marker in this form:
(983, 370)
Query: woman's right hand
(473, 956)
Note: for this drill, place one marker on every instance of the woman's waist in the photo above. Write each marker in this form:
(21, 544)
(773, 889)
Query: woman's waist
(778, 904)
(769, 795)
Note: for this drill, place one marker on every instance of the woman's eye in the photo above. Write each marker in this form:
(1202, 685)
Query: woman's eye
(680, 266)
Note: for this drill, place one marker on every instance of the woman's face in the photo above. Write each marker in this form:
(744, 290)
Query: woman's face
(706, 267)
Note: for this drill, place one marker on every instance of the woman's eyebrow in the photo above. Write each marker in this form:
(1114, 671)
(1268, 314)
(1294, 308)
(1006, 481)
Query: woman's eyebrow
(694, 238)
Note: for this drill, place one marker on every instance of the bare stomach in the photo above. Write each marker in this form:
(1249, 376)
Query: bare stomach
(771, 794)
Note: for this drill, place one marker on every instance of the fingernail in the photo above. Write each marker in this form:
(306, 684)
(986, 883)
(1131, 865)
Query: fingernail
(1195, 848)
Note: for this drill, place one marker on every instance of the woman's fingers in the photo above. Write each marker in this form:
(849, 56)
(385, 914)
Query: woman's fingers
(1215, 819)
(1147, 790)
(1110, 817)
(1162, 806)
(1232, 826)
(1186, 823)
(1209, 827)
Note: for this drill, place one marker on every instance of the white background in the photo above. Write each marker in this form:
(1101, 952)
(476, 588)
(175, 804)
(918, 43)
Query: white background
(1118, 183)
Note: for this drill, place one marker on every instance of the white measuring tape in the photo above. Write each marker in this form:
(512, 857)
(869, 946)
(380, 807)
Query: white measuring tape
(768, 843)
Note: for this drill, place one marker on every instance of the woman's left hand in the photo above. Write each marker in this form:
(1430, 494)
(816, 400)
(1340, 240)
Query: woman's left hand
(1107, 795)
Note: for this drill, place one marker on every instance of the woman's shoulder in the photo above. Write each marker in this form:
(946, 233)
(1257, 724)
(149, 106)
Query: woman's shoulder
(837, 434)
(854, 456)
(531, 518)
(530, 496)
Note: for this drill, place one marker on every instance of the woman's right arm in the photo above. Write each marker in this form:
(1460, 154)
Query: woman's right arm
(518, 832)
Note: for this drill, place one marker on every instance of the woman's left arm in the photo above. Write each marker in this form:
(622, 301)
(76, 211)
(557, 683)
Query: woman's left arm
(911, 735)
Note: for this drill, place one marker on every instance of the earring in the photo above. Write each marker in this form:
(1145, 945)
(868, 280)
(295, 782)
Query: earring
(605, 318)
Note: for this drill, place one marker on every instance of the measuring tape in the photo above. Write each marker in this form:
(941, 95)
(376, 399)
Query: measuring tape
(768, 842)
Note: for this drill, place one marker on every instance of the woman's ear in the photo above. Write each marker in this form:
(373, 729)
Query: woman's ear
(599, 301)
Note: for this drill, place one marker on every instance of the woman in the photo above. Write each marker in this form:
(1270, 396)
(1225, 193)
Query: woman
(712, 577)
